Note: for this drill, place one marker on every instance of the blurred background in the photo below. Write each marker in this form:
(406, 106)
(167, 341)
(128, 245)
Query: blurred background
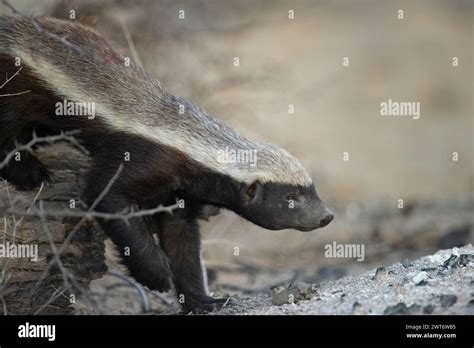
(337, 109)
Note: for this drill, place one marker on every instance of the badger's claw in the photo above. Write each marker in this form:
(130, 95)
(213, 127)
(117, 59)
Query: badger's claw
(205, 304)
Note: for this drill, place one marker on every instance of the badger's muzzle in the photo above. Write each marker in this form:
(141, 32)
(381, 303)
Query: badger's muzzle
(327, 218)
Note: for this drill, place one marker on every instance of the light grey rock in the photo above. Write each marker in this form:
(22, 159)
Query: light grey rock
(420, 278)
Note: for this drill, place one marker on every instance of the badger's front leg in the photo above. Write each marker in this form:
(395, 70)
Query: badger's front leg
(181, 241)
(143, 257)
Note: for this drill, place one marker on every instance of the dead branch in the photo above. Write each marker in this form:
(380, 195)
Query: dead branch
(14, 94)
(91, 215)
(11, 78)
(54, 296)
(66, 136)
(8, 80)
(68, 278)
(18, 223)
(139, 287)
(130, 43)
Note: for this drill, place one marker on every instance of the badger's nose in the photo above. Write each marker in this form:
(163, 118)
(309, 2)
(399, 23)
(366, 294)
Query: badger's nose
(326, 220)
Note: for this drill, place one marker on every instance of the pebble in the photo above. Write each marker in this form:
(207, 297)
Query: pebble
(402, 308)
(293, 293)
(422, 283)
(466, 259)
(428, 309)
(452, 261)
(282, 295)
(357, 308)
(381, 274)
(420, 277)
(406, 263)
(447, 300)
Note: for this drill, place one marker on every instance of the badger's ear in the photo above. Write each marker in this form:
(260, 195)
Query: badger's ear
(252, 192)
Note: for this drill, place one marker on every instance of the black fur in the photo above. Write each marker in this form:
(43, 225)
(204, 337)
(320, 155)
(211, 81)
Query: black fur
(180, 239)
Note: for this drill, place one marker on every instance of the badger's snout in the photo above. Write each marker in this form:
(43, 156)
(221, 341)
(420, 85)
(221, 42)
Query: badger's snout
(322, 217)
(327, 218)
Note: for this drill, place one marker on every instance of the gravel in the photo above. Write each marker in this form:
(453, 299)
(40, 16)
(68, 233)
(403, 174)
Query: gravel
(442, 283)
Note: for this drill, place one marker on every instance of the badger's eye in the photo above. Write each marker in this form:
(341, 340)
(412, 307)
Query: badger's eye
(291, 197)
(251, 190)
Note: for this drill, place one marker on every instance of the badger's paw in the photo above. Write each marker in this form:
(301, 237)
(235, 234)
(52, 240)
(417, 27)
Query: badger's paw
(205, 304)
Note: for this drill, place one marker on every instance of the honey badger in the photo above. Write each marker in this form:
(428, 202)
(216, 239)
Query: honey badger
(172, 144)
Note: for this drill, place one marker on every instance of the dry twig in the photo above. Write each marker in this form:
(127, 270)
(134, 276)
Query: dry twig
(66, 136)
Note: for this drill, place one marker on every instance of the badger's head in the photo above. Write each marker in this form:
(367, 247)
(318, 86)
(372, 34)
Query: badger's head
(261, 182)
(278, 193)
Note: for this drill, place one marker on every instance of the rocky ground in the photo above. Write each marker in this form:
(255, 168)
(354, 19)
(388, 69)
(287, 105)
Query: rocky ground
(442, 283)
